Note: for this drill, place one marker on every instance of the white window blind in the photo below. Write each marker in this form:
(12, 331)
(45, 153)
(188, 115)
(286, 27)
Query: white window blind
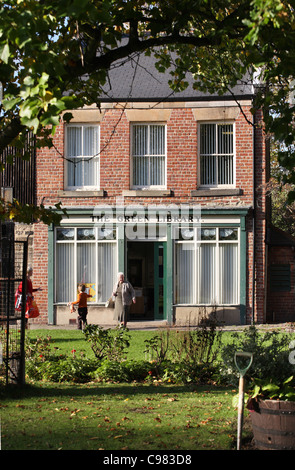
(149, 155)
(83, 255)
(82, 150)
(217, 155)
(207, 268)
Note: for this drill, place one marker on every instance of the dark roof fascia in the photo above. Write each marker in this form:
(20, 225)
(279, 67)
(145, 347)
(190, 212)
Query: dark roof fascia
(175, 100)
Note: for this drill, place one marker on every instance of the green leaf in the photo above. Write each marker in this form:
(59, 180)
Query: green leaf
(256, 391)
(4, 53)
(289, 380)
(10, 103)
(29, 81)
(48, 119)
(271, 388)
(30, 123)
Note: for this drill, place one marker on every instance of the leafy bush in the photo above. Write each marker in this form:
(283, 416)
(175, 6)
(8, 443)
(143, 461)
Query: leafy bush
(43, 362)
(186, 354)
(68, 369)
(270, 355)
(107, 343)
(274, 389)
(182, 357)
(183, 372)
(125, 371)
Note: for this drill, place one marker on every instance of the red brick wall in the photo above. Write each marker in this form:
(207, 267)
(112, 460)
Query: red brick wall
(182, 176)
(115, 162)
(40, 270)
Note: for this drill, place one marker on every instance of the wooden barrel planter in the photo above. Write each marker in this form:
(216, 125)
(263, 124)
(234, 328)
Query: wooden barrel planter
(273, 423)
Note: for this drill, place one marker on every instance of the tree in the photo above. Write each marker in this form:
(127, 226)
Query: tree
(55, 54)
(282, 210)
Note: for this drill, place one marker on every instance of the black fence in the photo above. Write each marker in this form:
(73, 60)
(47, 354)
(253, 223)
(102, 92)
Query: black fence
(18, 170)
(13, 267)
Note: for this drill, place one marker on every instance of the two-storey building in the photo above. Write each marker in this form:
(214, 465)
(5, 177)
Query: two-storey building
(166, 187)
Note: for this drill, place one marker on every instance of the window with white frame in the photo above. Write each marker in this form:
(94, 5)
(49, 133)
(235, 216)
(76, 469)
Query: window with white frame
(149, 156)
(82, 156)
(217, 154)
(207, 267)
(87, 255)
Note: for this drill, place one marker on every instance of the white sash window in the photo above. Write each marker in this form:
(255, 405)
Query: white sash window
(82, 153)
(217, 155)
(84, 255)
(149, 156)
(207, 268)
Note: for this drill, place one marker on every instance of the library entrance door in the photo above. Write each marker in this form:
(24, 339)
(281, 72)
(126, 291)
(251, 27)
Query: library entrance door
(146, 263)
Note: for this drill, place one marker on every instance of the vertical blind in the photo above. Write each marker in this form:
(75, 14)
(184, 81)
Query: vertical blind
(89, 260)
(216, 154)
(65, 273)
(207, 271)
(149, 155)
(82, 144)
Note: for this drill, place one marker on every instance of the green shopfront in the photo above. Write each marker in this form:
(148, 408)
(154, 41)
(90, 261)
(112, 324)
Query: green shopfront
(183, 261)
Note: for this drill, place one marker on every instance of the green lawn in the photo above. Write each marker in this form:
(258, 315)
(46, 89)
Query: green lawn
(157, 416)
(67, 340)
(117, 416)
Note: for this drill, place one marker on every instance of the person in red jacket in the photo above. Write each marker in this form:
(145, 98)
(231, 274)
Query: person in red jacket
(82, 305)
(29, 297)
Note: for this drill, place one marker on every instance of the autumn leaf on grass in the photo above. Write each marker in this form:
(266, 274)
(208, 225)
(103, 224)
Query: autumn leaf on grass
(206, 421)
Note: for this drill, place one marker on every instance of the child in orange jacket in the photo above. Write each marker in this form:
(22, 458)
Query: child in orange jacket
(82, 306)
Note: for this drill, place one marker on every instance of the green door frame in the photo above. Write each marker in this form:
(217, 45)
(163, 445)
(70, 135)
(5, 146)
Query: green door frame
(160, 280)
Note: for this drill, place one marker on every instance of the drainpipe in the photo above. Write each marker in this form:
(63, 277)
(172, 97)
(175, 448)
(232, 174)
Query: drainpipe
(253, 222)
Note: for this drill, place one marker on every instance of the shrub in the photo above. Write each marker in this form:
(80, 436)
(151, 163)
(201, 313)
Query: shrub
(183, 372)
(68, 369)
(44, 363)
(107, 343)
(124, 371)
(175, 356)
(270, 355)
(190, 347)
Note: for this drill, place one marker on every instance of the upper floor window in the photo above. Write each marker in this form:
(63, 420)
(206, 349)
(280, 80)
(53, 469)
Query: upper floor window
(82, 153)
(217, 154)
(149, 156)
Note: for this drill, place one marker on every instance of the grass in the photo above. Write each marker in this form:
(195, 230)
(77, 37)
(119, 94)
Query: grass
(47, 416)
(117, 417)
(67, 340)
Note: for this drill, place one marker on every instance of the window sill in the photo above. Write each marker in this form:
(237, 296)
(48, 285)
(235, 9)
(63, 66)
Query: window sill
(217, 192)
(81, 193)
(148, 192)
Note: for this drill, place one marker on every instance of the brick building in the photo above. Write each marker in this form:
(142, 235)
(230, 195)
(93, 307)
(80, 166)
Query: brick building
(280, 248)
(166, 187)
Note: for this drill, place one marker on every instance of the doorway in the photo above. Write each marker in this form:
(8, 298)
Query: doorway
(146, 272)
